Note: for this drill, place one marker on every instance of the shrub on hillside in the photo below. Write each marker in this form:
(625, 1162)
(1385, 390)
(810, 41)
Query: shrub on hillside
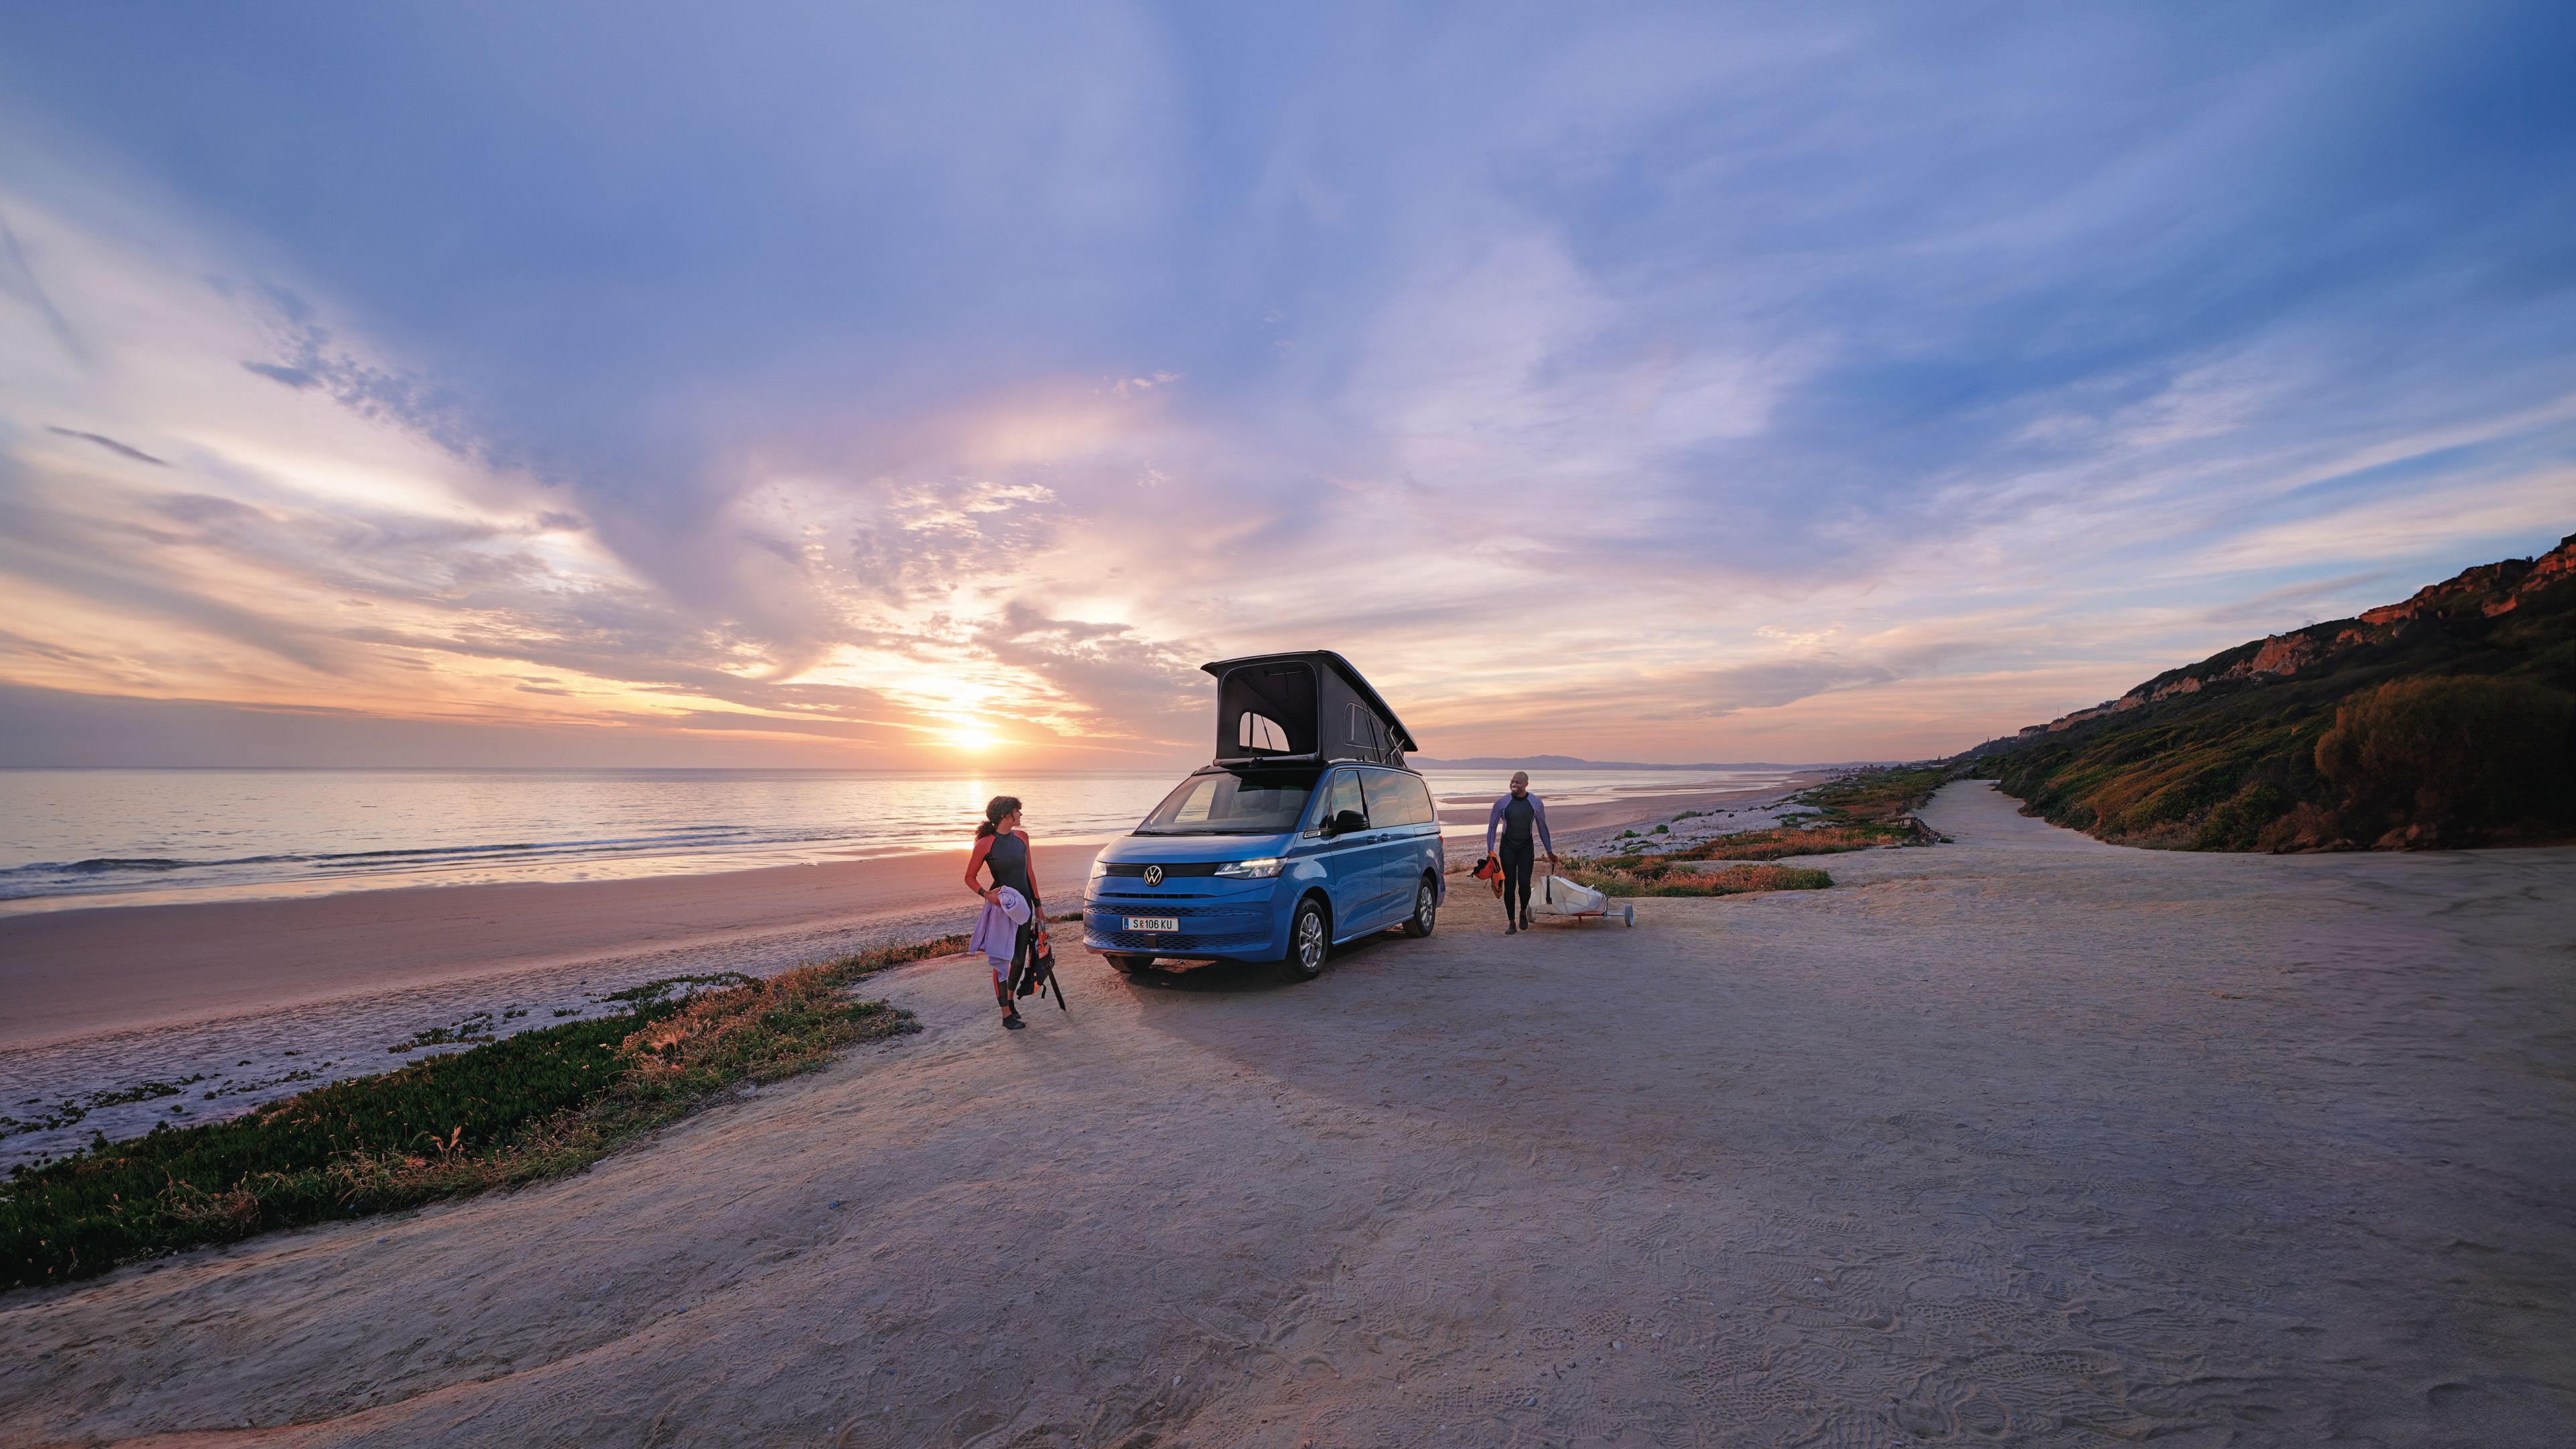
(2453, 760)
(2237, 822)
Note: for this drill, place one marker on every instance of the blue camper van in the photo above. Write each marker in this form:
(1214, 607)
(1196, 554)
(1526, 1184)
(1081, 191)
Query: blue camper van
(1306, 830)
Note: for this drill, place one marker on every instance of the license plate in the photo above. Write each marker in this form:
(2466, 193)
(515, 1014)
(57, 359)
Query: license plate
(1153, 923)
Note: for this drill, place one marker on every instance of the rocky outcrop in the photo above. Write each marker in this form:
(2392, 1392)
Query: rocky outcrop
(2488, 590)
(2440, 621)
(2485, 592)
(2282, 654)
(2230, 753)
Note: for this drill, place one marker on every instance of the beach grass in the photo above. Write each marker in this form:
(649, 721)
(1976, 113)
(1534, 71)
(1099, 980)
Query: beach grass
(1861, 810)
(502, 1113)
(1886, 795)
(1788, 840)
(1663, 878)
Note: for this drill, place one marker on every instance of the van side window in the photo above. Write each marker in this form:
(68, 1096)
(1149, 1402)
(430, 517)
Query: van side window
(1259, 732)
(1364, 730)
(1391, 798)
(1424, 812)
(1342, 794)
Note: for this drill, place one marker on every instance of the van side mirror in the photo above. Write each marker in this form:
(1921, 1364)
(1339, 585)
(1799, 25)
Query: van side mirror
(1345, 823)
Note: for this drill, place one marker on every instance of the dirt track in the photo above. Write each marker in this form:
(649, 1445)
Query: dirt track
(2025, 1137)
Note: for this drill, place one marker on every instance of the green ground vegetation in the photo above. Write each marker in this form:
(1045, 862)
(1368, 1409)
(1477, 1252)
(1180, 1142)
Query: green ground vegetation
(2453, 726)
(1883, 797)
(71, 1109)
(1655, 877)
(505, 1112)
(1857, 811)
(1787, 840)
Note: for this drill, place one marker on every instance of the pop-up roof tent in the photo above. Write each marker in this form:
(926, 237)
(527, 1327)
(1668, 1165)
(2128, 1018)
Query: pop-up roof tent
(1309, 706)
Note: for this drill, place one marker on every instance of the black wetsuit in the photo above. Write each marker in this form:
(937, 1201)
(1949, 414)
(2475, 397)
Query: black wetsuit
(1008, 860)
(1519, 858)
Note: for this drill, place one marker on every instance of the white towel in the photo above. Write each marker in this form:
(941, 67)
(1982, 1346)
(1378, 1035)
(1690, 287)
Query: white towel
(998, 929)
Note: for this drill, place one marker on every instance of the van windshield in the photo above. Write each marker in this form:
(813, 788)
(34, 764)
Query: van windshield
(1224, 803)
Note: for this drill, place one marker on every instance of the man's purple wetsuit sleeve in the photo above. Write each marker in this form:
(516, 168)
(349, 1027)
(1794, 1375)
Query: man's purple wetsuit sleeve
(1538, 818)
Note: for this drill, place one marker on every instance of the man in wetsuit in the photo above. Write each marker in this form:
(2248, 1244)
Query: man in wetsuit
(1516, 815)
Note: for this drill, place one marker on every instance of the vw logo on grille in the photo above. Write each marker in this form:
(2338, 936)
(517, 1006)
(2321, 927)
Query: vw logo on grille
(1153, 875)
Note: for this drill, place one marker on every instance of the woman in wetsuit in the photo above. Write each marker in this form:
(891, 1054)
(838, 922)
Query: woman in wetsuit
(1002, 848)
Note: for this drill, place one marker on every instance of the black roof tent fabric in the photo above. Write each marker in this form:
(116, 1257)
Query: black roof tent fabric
(1311, 705)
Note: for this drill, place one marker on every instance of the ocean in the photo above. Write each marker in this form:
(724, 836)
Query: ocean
(133, 837)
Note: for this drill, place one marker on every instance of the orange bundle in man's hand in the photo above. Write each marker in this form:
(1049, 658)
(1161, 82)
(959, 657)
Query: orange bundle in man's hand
(1490, 870)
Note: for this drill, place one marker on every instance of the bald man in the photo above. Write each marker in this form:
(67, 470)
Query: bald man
(1517, 815)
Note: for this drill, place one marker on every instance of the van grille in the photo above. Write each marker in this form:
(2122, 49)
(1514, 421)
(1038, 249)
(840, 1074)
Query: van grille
(1170, 870)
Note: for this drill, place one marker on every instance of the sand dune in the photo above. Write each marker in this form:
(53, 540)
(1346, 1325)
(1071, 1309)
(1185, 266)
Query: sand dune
(2026, 1137)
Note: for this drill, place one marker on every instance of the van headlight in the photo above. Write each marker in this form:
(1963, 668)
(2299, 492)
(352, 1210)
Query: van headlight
(1262, 869)
(1099, 866)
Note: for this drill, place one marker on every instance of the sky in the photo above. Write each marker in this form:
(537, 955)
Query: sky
(648, 384)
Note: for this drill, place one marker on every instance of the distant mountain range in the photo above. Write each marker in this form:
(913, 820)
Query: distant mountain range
(2447, 719)
(1569, 762)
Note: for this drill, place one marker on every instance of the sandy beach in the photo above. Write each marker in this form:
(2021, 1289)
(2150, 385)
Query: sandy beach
(111, 968)
(247, 1001)
(2025, 1138)
(244, 1001)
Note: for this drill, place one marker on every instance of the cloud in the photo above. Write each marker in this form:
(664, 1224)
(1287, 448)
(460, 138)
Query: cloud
(1683, 383)
(298, 378)
(1105, 680)
(1768, 684)
(112, 445)
(19, 280)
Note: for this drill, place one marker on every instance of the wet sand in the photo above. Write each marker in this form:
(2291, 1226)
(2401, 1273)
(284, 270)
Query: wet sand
(72, 973)
(2023, 1139)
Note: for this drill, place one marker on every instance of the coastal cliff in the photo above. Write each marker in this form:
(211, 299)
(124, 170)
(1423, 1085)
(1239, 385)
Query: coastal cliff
(2445, 719)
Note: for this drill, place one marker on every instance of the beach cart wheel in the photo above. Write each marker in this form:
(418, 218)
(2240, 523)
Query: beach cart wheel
(1629, 914)
(1127, 965)
(1310, 939)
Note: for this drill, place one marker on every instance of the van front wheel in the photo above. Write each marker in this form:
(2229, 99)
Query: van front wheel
(1309, 939)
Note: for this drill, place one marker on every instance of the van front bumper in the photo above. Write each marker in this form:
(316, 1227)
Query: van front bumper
(1244, 927)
